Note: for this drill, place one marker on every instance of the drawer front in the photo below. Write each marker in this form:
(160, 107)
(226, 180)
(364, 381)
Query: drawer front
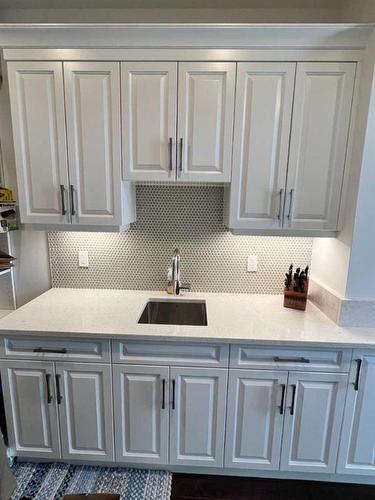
(178, 354)
(332, 360)
(91, 350)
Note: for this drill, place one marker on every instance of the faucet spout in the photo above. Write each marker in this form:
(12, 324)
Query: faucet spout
(176, 280)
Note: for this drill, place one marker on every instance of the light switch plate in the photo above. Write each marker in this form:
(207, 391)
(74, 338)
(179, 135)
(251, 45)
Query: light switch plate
(83, 258)
(252, 263)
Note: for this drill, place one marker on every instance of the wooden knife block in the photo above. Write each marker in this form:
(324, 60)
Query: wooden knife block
(296, 300)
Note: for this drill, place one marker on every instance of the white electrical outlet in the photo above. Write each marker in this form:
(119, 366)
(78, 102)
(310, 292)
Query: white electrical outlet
(83, 258)
(252, 263)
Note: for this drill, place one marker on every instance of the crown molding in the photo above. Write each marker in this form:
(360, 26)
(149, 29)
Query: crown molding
(234, 36)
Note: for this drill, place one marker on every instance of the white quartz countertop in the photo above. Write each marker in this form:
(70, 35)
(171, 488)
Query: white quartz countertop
(234, 318)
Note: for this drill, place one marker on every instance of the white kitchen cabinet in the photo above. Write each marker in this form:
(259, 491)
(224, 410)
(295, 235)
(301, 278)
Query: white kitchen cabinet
(197, 416)
(31, 410)
(205, 121)
(38, 118)
(84, 398)
(149, 114)
(356, 455)
(318, 144)
(141, 409)
(264, 98)
(313, 418)
(92, 91)
(255, 415)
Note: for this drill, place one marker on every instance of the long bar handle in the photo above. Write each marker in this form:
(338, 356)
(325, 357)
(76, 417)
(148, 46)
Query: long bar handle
(291, 196)
(72, 207)
(50, 351)
(173, 394)
(280, 203)
(277, 359)
(170, 143)
(48, 384)
(358, 375)
(58, 390)
(62, 194)
(181, 150)
(163, 394)
(283, 388)
(292, 406)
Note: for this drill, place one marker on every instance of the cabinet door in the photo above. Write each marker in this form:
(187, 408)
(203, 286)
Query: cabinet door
(321, 116)
(30, 406)
(149, 110)
(255, 418)
(264, 96)
(141, 413)
(357, 446)
(315, 404)
(205, 121)
(85, 410)
(94, 141)
(37, 105)
(198, 397)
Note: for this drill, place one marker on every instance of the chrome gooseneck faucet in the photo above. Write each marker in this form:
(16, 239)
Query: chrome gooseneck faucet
(176, 281)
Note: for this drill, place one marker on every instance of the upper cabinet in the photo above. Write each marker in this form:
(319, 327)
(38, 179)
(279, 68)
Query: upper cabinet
(185, 138)
(38, 117)
(288, 166)
(149, 114)
(69, 175)
(205, 121)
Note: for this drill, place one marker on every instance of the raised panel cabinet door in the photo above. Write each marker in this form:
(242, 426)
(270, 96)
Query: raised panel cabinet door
(357, 447)
(255, 415)
(313, 418)
(149, 114)
(84, 399)
(320, 128)
(141, 413)
(264, 98)
(92, 92)
(198, 401)
(205, 121)
(38, 118)
(30, 405)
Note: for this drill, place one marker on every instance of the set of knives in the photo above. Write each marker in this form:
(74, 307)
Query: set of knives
(296, 281)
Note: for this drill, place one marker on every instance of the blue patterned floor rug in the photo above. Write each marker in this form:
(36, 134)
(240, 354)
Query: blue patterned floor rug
(54, 480)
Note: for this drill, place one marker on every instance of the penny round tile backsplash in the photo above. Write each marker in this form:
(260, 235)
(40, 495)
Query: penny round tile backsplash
(189, 218)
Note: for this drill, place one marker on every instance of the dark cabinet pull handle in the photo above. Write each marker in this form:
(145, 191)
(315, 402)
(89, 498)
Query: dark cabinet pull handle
(290, 360)
(291, 193)
(58, 391)
(173, 394)
(48, 383)
(283, 387)
(62, 193)
(163, 394)
(170, 155)
(72, 208)
(359, 366)
(50, 351)
(292, 406)
(280, 203)
(181, 149)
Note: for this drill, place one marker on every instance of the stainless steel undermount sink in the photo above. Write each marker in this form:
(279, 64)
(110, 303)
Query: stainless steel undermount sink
(174, 312)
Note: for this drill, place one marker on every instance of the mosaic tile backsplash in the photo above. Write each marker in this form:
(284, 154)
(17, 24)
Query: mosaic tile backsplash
(168, 217)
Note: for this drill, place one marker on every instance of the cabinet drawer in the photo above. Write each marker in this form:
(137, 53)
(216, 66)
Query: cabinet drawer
(55, 349)
(160, 353)
(333, 360)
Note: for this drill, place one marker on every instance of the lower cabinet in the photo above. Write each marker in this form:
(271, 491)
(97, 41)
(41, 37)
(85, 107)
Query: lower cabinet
(141, 406)
(198, 402)
(313, 417)
(357, 448)
(308, 406)
(43, 397)
(30, 408)
(255, 418)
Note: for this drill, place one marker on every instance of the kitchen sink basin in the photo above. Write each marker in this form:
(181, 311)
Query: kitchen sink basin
(174, 312)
